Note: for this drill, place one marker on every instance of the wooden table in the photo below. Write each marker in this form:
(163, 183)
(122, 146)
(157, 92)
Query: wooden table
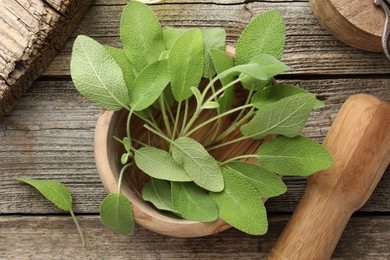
(49, 135)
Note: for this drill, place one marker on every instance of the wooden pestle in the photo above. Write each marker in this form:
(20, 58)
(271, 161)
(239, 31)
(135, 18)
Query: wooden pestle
(359, 141)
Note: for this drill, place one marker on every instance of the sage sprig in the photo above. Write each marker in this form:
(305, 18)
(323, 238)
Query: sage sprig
(159, 69)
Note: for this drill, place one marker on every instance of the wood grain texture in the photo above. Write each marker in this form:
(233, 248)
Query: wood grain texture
(32, 32)
(55, 237)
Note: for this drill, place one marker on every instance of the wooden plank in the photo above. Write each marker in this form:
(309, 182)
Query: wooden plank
(309, 48)
(55, 237)
(32, 32)
(50, 135)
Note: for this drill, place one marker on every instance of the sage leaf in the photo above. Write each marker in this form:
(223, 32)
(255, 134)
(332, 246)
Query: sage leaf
(274, 93)
(193, 203)
(198, 95)
(267, 183)
(252, 70)
(240, 205)
(170, 35)
(185, 63)
(96, 75)
(298, 156)
(213, 38)
(126, 143)
(124, 158)
(211, 105)
(222, 62)
(148, 85)
(265, 34)
(116, 213)
(202, 168)
(286, 117)
(141, 34)
(158, 192)
(127, 68)
(159, 164)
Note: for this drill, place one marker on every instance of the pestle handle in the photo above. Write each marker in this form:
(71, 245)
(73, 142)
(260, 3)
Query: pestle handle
(359, 140)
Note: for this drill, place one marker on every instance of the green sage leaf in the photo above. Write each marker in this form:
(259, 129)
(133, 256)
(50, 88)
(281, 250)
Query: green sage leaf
(202, 168)
(185, 64)
(126, 143)
(267, 183)
(252, 70)
(96, 75)
(141, 34)
(211, 105)
(193, 203)
(240, 205)
(298, 156)
(213, 38)
(286, 117)
(170, 35)
(127, 68)
(149, 85)
(124, 158)
(116, 213)
(158, 192)
(159, 164)
(198, 95)
(265, 34)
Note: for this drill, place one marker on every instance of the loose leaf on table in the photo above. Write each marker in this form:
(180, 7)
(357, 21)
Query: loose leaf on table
(116, 213)
(267, 183)
(286, 117)
(159, 164)
(202, 168)
(193, 203)
(96, 74)
(59, 195)
(170, 35)
(240, 205)
(213, 38)
(124, 63)
(141, 34)
(148, 85)
(158, 192)
(185, 64)
(274, 93)
(222, 61)
(298, 156)
(265, 34)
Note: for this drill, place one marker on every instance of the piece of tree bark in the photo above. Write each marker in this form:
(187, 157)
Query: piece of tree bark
(31, 34)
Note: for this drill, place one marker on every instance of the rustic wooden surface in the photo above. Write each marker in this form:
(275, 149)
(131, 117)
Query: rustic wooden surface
(31, 34)
(50, 135)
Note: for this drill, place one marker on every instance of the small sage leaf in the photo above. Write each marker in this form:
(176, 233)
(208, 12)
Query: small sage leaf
(116, 213)
(148, 85)
(265, 34)
(213, 38)
(252, 70)
(159, 164)
(185, 64)
(286, 117)
(298, 156)
(127, 68)
(267, 183)
(202, 168)
(211, 105)
(193, 203)
(158, 192)
(171, 35)
(141, 34)
(240, 205)
(96, 74)
(126, 143)
(124, 158)
(197, 95)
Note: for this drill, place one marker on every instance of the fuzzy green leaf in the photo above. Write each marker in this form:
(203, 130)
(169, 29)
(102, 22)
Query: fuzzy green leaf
(274, 93)
(211, 105)
(124, 158)
(116, 213)
(170, 35)
(296, 156)
(252, 70)
(185, 64)
(202, 168)
(267, 183)
(213, 38)
(222, 62)
(96, 75)
(286, 117)
(193, 203)
(158, 192)
(265, 34)
(54, 191)
(141, 34)
(198, 95)
(159, 164)
(127, 68)
(126, 143)
(240, 205)
(149, 85)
